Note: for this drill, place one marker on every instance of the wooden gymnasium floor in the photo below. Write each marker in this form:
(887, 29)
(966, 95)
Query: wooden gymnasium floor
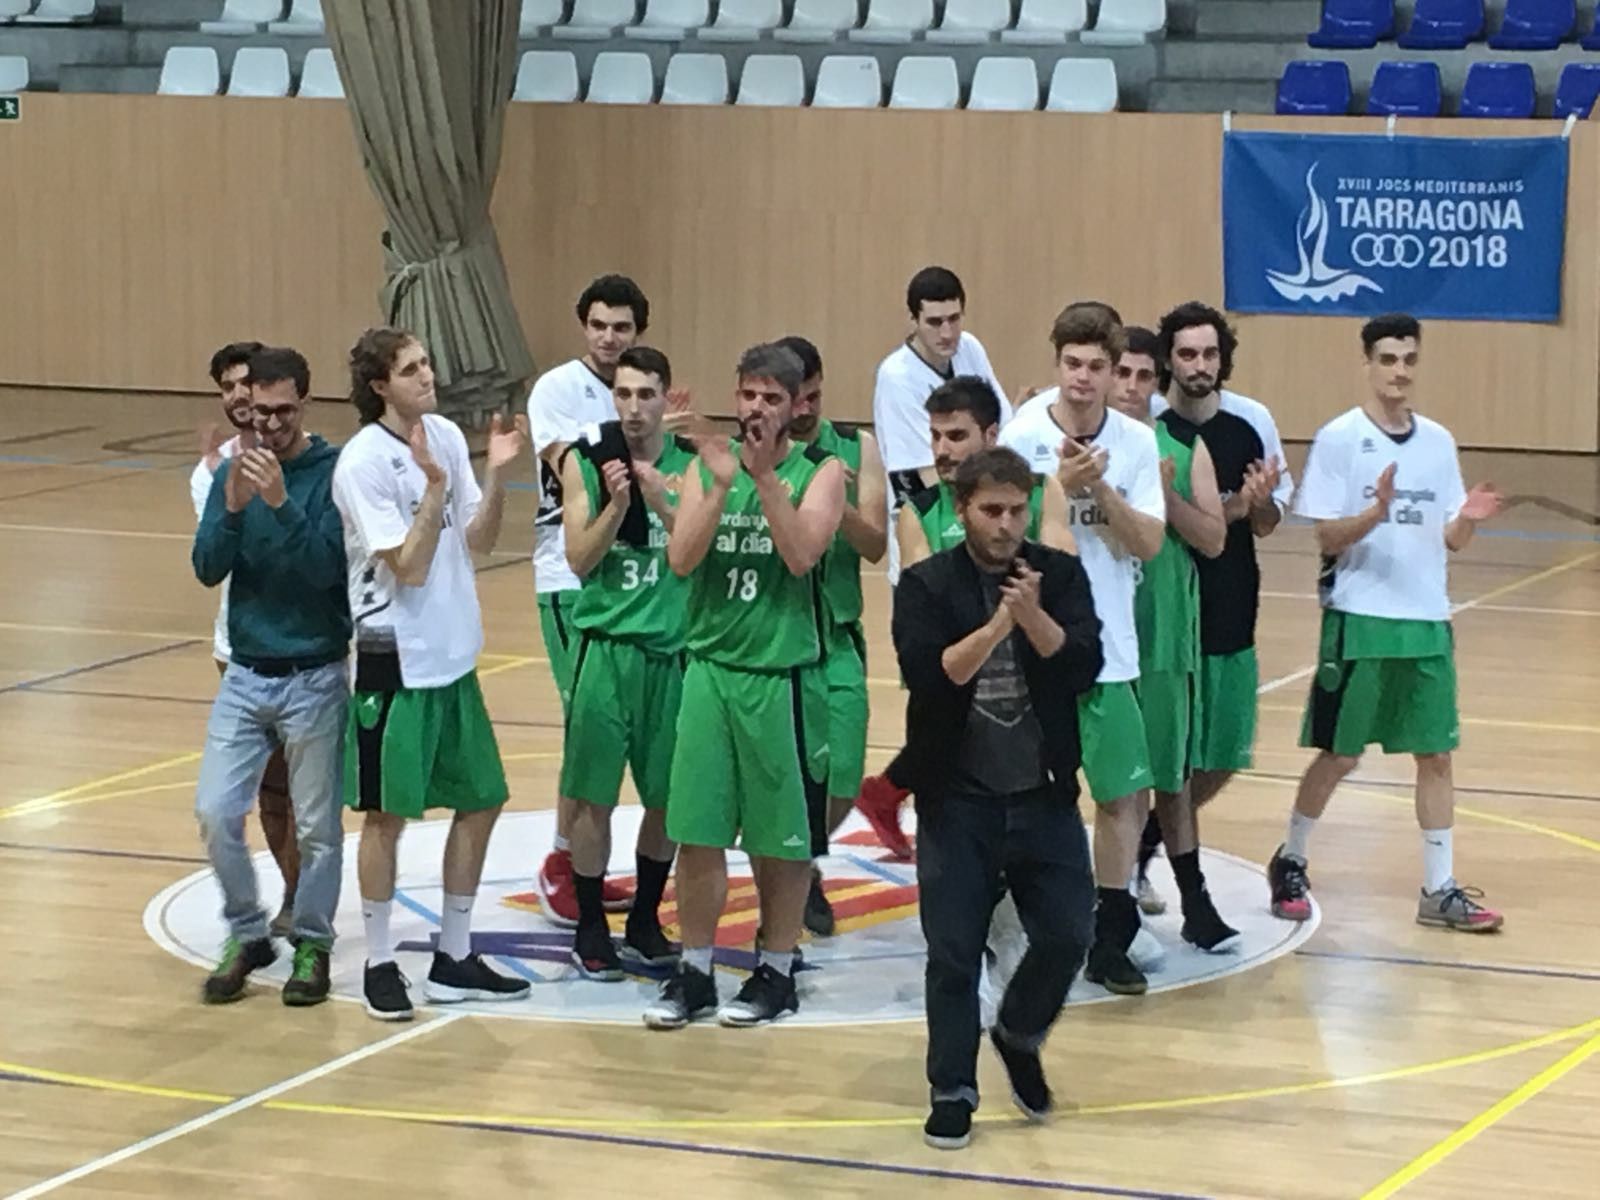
(1377, 1059)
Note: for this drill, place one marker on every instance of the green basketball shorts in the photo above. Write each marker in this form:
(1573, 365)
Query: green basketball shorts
(1227, 711)
(1168, 701)
(413, 749)
(751, 761)
(1116, 753)
(560, 639)
(624, 713)
(1405, 705)
(846, 672)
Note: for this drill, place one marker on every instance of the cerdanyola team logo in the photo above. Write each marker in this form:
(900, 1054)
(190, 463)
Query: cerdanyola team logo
(1316, 280)
(871, 971)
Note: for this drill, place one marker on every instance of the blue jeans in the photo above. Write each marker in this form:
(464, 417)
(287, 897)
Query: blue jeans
(304, 713)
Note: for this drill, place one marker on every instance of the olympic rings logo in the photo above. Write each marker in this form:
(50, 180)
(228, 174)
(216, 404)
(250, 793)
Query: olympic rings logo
(1387, 250)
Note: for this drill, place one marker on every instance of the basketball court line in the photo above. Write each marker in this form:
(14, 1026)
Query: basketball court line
(221, 1114)
(103, 852)
(1398, 960)
(100, 664)
(1487, 1119)
(60, 798)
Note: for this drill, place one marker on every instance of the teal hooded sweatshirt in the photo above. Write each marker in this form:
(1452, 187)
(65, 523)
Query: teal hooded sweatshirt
(288, 599)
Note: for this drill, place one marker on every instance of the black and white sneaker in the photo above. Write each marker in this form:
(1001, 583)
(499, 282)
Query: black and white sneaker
(595, 955)
(452, 980)
(819, 918)
(1204, 927)
(1114, 971)
(1029, 1092)
(689, 995)
(949, 1125)
(385, 991)
(647, 946)
(766, 996)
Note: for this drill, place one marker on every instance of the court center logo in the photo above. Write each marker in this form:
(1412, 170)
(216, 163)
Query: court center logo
(1316, 280)
(870, 971)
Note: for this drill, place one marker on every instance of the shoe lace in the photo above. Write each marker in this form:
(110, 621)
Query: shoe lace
(305, 961)
(1464, 897)
(1295, 881)
(231, 949)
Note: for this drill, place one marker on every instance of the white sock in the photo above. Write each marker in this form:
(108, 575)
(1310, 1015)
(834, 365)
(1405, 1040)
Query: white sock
(699, 958)
(561, 845)
(455, 929)
(1438, 858)
(781, 961)
(1300, 827)
(375, 919)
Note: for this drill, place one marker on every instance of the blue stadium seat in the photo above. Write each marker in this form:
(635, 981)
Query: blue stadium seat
(1591, 40)
(1406, 89)
(1577, 88)
(1314, 88)
(1498, 89)
(1353, 24)
(1444, 25)
(1535, 25)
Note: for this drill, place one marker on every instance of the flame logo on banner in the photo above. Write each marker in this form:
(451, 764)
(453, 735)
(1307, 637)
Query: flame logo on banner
(1316, 280)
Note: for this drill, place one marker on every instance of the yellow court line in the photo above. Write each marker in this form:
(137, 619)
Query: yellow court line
(1496, 722)
(1536, 577)
(95, 1083)
(1575, 839)
(521, 660)
(1490, 1116)
(524, 755)
(121, 533)
(57, 799)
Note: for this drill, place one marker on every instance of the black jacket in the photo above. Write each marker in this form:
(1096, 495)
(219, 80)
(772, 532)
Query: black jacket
(938, 602)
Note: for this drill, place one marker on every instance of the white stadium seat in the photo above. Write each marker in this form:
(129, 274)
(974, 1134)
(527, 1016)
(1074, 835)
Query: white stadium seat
(818, 21)
(547, 76)
(971, 22)
(621, 77)
(319, 76)
(242, 17)
(926, 82)
(849, 81)
(538, 16)
(1127, 23)
(11, 9)
(595, 20)
(890, 22)
(772, 81)
(304, 20)
(59, 12)
(190, 71)
(743, 20)
(695, 79)
(259, 71)
(1047, 22)
(13, 74)
(1004, 85)
(670, 20)
(1085, 85)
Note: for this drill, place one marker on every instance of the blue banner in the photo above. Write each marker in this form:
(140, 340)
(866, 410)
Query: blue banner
(1355, 225)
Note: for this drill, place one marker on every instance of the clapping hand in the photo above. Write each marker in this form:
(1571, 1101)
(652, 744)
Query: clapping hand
(237, 487)
(422, 455)
(504, 446)
(1383, 489)
(1020, 593)
(614, 473)
(265, 473)
(1483, 502)
(1081, 466)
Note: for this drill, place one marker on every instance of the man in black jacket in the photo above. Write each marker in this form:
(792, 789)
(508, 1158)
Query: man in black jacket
(996, 638)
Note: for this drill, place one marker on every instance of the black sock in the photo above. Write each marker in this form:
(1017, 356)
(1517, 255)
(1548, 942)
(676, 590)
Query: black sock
(1149, 842)
(650, 880)
(1186, 867)
(591, 906)
(1116, 917)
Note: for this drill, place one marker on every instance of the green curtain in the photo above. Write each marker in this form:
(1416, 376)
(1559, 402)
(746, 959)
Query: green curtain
(427, 83)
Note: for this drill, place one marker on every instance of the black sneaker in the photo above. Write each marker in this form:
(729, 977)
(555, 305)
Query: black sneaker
(949, 1125)
(385, 991)
(647, 946)
(819, 913)
(594, 954)
(1291, 887)
(308, 984)
(1204, 927)
(1029, 1092)
(766, 996)
(226, 983)
(452, 980)
(1114, 970)
(689, 995)
(797, 960)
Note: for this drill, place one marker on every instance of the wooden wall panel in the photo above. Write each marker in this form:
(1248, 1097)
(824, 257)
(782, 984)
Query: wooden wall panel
(158, 227)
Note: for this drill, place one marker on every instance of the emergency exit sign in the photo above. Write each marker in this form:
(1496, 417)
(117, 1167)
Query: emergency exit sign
(10, 108)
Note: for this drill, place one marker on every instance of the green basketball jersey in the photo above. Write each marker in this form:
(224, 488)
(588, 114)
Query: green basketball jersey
(632, 594)
(936, 510)
(841, 566)
(1166, 608)
(746, 610)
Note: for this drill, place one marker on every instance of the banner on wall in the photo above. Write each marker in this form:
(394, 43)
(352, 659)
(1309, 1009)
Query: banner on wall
(1356, 225)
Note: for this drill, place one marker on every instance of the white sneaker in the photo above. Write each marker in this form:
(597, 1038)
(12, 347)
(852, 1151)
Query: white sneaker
(1147, 953)
(1151, 902)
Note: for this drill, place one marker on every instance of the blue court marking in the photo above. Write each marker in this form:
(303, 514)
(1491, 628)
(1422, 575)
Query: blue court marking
(883, 872)
(27, 684)
(510, 964)
(816, 1160)
(1402, 960)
